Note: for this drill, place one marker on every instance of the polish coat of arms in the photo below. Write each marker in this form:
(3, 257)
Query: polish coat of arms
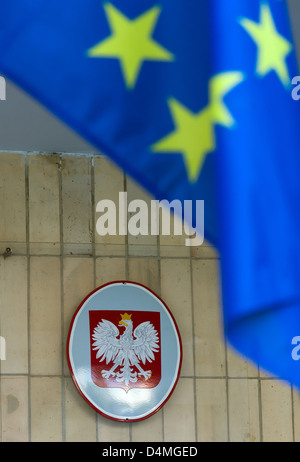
(125, 349)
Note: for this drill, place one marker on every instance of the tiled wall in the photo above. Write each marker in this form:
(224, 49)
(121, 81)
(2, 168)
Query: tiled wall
(48, 220)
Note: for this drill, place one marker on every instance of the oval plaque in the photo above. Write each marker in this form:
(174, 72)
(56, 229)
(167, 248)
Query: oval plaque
(124, 351)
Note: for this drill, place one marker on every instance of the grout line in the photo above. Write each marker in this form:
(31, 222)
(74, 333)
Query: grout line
(194, 346)
(126, 236)
(59, 165)
(202, 377)
(127, 278)
(159, 279)
(28, 291)
(260, 405)
(206, 377)
(227, 387)
(47, 153)
(91, 254)
(94, 256)
(293, 412)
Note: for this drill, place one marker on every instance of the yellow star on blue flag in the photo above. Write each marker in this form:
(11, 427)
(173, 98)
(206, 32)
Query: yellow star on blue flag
(131, 42)
(273, 48)
(194, 135)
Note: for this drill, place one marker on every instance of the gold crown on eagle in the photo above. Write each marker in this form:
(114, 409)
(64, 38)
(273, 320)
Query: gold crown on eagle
(126, 316)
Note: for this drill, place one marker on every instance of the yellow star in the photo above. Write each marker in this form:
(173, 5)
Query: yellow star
(273, 48)
(193, 137)
(131, 42)
(194, 134)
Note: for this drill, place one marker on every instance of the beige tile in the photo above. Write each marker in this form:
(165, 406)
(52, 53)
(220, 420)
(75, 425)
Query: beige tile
(173, 244)
(172, 251)
(176, 293)
(141, 250)
(209, 340)
(80, 418)
(145, 271)
(46, 409)
(76, 200)
(205, 250)
(110, 250)
(179, 413)
(211, 410)
(148, 430)
(244, 420)
(12, 197)
(14, 314)
(296, 410)
(109, 182)
(78, 282)
(109, 270)
(45, 315)
(44, 248)
(78, 249)
(14, 407)
(110, 431)
(43, 178)
(276, 411)
(238, 366)
(265, 374)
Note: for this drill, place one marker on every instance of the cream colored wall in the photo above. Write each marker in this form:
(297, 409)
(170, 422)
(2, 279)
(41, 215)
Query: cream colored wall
(48, 219)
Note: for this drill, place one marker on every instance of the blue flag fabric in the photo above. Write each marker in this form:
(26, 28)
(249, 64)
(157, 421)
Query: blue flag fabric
(194, 100)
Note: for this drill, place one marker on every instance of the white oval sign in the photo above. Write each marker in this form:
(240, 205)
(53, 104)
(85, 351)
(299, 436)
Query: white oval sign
(124, 351)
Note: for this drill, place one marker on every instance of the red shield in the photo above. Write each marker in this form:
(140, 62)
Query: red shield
(125, 349)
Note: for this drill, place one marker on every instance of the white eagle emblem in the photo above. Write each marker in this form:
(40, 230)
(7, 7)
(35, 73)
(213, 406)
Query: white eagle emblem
(126, 351)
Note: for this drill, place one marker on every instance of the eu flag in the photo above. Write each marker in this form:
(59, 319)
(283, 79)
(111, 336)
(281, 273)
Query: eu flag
(194, 100)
